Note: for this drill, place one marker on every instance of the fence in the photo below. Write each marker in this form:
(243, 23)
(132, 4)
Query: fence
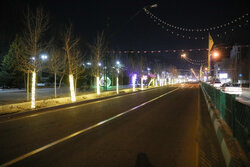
(236, 114)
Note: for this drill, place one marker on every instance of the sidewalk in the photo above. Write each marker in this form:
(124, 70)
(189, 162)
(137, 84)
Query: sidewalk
(45, 101)
(11, 96)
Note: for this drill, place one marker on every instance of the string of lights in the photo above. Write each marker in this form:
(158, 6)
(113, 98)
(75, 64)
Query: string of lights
(195, 37)
(167, 51)
(178, 31)
(195, 61)
(206, 29)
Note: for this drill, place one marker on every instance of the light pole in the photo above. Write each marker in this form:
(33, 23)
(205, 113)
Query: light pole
(213, 57)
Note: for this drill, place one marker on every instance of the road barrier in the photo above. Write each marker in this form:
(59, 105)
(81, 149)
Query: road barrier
(235, 114)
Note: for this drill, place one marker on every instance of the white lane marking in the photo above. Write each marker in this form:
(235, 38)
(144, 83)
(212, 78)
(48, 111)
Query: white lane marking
(79, 105)
(80, 132)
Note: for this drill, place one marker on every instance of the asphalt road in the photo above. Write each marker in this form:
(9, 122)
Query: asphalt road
(160, 127)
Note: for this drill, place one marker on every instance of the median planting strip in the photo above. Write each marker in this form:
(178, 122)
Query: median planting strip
(80, 100)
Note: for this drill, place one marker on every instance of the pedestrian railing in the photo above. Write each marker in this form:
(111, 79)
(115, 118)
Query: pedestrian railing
(235, 114)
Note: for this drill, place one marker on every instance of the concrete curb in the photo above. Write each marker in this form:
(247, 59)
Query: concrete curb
(229, 155)
(25, 106)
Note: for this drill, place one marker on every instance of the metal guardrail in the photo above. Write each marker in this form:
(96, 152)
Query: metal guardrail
(235, 114)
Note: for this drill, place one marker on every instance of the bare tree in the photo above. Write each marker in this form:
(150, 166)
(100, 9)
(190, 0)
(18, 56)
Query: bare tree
(36, 23)
(158, 68)
(141, 64)
(132, 63)
(173, 70)
(70, 44)
(30, 45)
(98, 50)
(77, 65)
(24, 63)
(56, 64)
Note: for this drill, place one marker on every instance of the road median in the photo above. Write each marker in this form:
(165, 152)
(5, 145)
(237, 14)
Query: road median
(9, 110)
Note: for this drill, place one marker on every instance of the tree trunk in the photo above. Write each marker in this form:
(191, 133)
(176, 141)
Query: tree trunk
(28, 86)
(75, 83)
(24, 80)
(60, 81)
(55, 83)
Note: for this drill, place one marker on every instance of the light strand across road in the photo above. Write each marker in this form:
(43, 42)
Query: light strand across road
(80, 131)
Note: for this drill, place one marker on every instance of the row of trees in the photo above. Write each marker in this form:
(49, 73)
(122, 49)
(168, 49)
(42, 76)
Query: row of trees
(65, 55)
(24, 58)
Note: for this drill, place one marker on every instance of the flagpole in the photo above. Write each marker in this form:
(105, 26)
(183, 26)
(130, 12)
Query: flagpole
(208, 59)
(210, 45)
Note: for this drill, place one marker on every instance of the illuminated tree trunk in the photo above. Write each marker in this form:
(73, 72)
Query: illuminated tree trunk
(72, 91)
(117, 85)
(33, 90)
(141, 83)
(133, 81)
(71, 77)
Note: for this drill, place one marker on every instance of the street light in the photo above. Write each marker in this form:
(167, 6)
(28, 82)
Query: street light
(44, 56)
(154, 6)
(215, 54)
(148, 69)
(183, 55)
(117, 62)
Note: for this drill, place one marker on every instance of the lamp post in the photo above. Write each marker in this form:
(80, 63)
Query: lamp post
(148, 69)
(213, 57)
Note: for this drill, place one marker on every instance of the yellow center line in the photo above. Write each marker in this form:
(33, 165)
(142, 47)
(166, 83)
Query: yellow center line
(80, 132)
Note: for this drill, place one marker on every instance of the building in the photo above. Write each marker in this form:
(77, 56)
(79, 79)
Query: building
(234, 66)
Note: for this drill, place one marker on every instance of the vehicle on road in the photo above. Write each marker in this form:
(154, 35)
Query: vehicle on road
(217, 84)
(231, 88)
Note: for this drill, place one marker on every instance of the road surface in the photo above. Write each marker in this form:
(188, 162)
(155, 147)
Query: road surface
(160, 127)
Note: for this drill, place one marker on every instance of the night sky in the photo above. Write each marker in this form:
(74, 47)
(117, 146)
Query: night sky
(90, 17)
